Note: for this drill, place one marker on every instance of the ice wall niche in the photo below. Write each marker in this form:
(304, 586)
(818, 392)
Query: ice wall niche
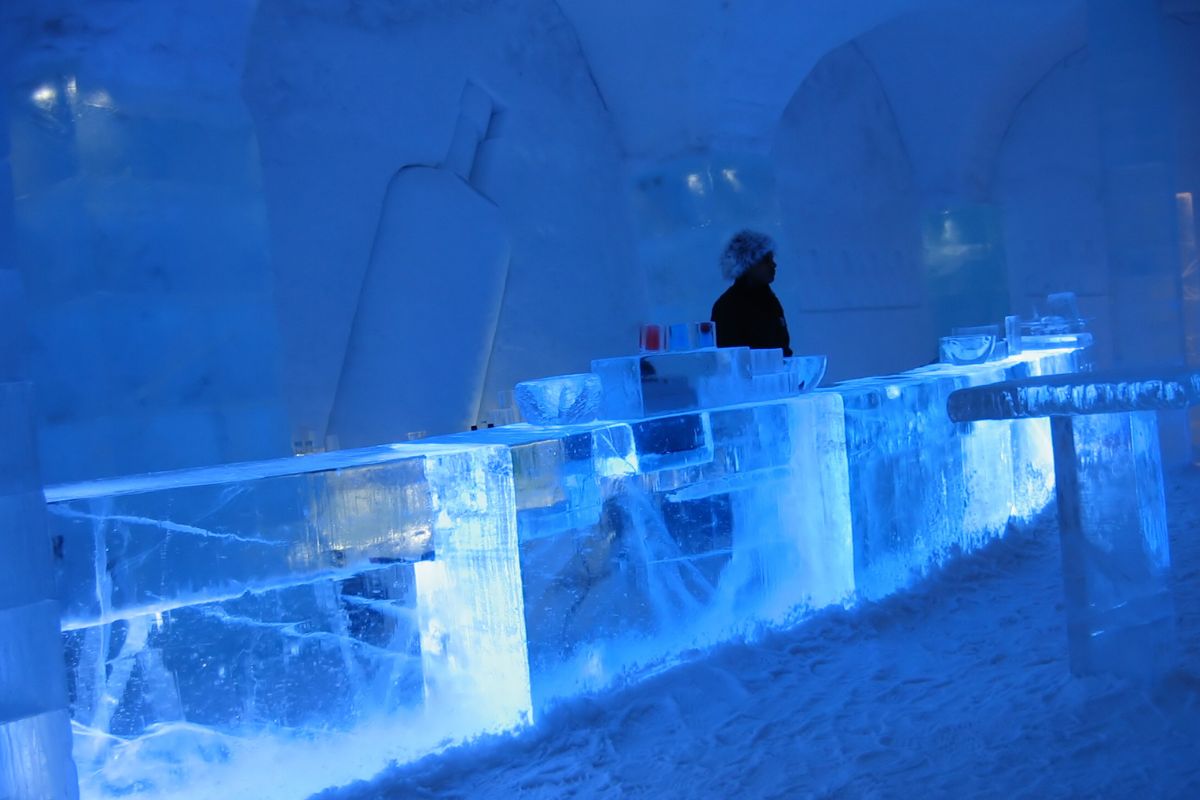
(850, 207)
(141, 233)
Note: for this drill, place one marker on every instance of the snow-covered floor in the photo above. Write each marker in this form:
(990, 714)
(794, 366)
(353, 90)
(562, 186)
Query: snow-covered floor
(957, 689)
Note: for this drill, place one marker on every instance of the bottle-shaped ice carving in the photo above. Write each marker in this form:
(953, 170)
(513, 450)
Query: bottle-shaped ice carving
(430, 299)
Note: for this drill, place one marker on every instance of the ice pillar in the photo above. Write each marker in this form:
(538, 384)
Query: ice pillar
(1113, 527)
(1138, 146)
(35, 732)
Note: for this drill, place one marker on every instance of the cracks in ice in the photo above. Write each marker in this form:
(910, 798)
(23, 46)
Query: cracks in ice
(164, 524)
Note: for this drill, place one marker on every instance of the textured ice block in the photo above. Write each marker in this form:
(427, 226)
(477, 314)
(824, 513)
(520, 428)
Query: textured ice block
(29, 652)
(557, 475)
(1116, 558)
(648, 385)
(906, 479)
(763, 362)
(703, 525)
(302, 606)
(34, 733)
(35, 757)
(924, 488)
(561, 400)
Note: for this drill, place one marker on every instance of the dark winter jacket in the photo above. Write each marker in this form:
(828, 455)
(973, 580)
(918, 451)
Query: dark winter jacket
(749, 315)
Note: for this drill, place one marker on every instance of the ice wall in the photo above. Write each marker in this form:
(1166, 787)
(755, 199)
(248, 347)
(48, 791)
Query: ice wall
(1047, 180)
(851, 215)
(375, 87)
(141, 233)
(321, 615)
(144, 113)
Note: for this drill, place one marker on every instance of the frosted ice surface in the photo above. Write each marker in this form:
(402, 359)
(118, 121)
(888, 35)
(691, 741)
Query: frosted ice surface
(641, 540)
(1116, 558)
(27, 746)
(1083, 393)
(318, 596)
(561, 400)
(922, 487)
(1112, 513)
(663, 383)
(666, 383)
(715, 521)
(34, 729)
(557, 475)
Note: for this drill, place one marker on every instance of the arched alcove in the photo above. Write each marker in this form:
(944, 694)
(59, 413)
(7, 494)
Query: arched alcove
(1048, 180)
(850, 215)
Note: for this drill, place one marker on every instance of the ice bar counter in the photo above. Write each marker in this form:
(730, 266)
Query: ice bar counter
(271, 629)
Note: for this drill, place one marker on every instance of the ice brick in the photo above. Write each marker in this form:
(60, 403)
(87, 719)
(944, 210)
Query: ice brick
(35, 757)
(731, 518)
(906, 479)
(1116, 559)
(662, 383)
(561, 400)
(30, 652)
(321, 599)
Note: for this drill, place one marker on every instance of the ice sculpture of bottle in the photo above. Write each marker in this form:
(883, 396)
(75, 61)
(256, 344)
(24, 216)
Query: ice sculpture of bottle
(436, 275)
(35, 732)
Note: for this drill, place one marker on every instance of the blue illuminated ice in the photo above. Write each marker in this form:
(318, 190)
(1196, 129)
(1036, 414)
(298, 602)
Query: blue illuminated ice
(924, 488)
(341, 610)
(35, 739)
(665, 383)
(561, 400)
(1111, 506)
(1132, 390)
(338, 610)
(642, 540)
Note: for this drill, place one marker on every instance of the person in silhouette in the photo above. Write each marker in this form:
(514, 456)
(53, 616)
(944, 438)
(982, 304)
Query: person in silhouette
(749, 314)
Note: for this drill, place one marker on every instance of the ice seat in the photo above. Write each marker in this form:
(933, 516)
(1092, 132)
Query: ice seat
(1111, 505)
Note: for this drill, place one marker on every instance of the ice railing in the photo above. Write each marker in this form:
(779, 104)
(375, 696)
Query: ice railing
(280, 627)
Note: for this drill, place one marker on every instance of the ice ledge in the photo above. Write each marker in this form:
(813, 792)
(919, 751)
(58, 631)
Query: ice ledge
(1078, 393)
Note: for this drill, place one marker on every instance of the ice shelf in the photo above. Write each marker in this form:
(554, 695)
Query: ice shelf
(335, 612)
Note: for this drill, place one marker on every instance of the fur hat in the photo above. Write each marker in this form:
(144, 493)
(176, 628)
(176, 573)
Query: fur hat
(743, 252)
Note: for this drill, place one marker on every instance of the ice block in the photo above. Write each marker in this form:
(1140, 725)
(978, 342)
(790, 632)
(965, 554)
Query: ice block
(300, 606)
(663, 383)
